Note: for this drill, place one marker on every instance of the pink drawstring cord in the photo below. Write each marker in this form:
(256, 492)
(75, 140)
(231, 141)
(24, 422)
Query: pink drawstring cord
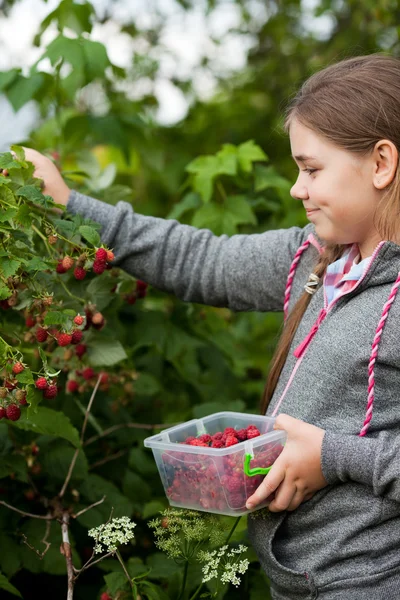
(374, 356)
(292, 272)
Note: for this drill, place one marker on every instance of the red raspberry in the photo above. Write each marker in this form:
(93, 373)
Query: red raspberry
(80, 350)
(59, 268)
(30, 321)
(76, 336)
(217, 436)
(51, 392)
(105, 596)
(234, 484)
(10, 385)
(88, 373)
(20, 395)
(196, 442)
(241, 435)
(217, 444)
(18, 368)
(189, 440)
(141, 285)
(99, 267)
(79, 273)
(3, 413)
(252, 433)
(41, 383)
(64, 339)
(205, 438)
(231, 440)
(229, 431)
(110, 256)
(41, 334)
(72, 386)
(98, 318)
(131, 298)
(67, 262)
(13, 412)
(79, 320)
(101, 254)
(104, 377)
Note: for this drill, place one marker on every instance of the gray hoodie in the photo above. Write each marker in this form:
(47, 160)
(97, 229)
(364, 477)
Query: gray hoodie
(344, 543)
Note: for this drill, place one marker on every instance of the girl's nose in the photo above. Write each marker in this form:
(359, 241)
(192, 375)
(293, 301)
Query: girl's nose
(299, 191)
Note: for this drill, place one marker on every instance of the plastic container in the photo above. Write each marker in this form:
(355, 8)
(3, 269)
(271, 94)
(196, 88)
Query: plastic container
(217, 480)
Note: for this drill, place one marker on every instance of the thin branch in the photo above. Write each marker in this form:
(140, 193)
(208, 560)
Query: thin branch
(26, 514)
(74, 458)
(89, 564)
(43, 541)
(66, 551)
(81, 512)
(109, 458)
(149, 426)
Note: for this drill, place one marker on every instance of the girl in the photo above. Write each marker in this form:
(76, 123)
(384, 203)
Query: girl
(333, 529)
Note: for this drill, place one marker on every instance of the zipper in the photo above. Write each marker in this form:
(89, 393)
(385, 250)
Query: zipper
(303, 346)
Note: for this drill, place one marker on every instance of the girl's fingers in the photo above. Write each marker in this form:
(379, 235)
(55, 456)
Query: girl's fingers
(267, 487)
(284, 497)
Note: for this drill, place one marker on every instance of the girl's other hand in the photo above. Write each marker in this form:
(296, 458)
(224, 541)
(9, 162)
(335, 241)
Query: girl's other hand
(54, 184)
(296, 474)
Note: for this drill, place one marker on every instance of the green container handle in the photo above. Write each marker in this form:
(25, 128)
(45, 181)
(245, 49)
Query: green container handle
(256, 471)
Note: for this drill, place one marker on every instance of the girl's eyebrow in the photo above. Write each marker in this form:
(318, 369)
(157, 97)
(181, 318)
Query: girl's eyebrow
(303, 158)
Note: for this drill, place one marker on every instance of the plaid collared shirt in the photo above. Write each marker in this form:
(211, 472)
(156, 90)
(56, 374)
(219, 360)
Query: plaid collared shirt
(342, 275)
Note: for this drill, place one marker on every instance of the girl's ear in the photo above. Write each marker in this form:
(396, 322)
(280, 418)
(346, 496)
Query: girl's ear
(386, 158)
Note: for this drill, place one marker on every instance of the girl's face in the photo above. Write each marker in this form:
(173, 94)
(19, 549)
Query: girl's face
(336, 188)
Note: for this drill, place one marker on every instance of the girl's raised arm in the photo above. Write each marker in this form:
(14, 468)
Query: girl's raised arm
(242, 272)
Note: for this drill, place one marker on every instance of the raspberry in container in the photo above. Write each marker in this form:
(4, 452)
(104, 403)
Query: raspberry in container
(215, 463)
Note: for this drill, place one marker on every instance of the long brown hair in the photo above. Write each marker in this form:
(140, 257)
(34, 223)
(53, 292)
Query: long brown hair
(353, 104)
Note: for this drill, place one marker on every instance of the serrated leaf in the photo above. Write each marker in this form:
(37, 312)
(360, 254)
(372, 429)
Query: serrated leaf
(147, 385)
(7, 195)
(34, 398)
(37, 264)
(106, 353)
(25, 215)
(50, 422)
(267, 177)
(89, 234)
(8, 214)
(56, 318)
(190, 202)
(8, 587)
(99, 291)
(96, 59)
(115, 582)
(248, 153)
(5, 292)
(26, 377)
(9, 267)
(7, 78)
(7, 161)
(33, 194)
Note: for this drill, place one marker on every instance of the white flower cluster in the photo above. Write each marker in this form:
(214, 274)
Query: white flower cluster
(110, 535)
(224, 566)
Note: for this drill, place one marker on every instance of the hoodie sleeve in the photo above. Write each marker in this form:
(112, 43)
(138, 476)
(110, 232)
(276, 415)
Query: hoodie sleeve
(242, 272)
(372, 461)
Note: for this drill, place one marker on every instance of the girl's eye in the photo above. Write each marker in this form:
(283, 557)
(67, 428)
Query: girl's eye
(309, 171)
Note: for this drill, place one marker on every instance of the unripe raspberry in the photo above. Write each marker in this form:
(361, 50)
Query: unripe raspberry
(30, 321)
(47, 300)
(64, 339)
(41, 383)
(13, 412)
(3, 392)
(88, 373)
(34, 449)
(68, 354)
(76, 336)
(3, 414)
(101, 254)
(51, 392)
(20, 395)
(41, 334)
(52, 239)
(97, 318)
(79, 320)
(18, 367)
(79, 273)
(67, 262)
(110, 256)
(72, 386)
(99, 267)
(80, 350)
(60, 268)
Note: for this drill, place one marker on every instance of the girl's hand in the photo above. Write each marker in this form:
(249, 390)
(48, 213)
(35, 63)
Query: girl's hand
(296, 474)
(54, 184)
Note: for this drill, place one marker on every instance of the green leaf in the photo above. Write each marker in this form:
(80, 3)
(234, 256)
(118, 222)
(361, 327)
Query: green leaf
(208, 408)
(7, 161)
(248, 153)
(189, 202)
(152, 508)
(37, 264)
(135, 487)
(161, 566)
(224, 218)
(5, 292)
(147, 385)
(267, 177)
(106, 353)
(26, 377)
(8, 214)
(25, 215)
(50, 422)
(57, 461)
(24, 89)
(9, 266)
(56, 318)
(99, 291)
(8, 77)
(33, 194)
(6, 585)
(89, 234)
(96, 59)
(115, 582)
(34, 398)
